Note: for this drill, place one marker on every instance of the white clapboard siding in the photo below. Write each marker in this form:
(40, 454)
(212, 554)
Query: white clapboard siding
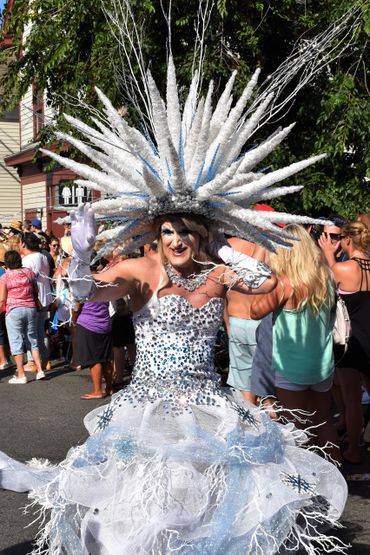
(34, 196)
(49, 113)
(10, 188)
(27, 119)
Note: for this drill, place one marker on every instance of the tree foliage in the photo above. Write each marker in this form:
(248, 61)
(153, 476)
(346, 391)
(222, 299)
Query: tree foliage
(69, 49)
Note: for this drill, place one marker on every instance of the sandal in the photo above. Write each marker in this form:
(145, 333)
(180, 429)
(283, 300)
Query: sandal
(89, 396)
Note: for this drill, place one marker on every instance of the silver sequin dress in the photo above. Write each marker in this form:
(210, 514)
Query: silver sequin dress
(175, 465)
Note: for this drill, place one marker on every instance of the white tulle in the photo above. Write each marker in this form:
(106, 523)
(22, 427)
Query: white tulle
(174, 464)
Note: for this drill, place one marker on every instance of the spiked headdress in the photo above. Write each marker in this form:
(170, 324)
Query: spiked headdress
(192, 163)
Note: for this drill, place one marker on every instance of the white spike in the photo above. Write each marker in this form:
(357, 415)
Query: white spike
(271, 178)
(192, 139)
(254, 156)
(173, 105)
(219, 183)
(190, 106)
(202, 143)
(135, 141)
(96, 176)
(162, 132)
(269, 194)
(128, 204)
(228, 128)
(222, 108)
(233, 149)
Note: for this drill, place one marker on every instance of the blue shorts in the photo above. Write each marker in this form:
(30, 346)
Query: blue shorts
(242, 347)
(21, 325)
(321, 387)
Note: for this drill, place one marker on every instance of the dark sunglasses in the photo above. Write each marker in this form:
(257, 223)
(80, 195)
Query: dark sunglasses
(333, 236)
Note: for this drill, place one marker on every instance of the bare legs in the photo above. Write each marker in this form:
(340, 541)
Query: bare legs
(18, 359)
(97, 371)
(19, 363)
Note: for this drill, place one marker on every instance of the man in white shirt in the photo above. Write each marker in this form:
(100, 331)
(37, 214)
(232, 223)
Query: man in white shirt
(38, 263)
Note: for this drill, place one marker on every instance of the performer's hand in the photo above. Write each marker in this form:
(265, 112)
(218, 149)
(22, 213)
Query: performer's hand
(83, 231)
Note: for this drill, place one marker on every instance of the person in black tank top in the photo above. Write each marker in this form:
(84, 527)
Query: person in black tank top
(353, 370)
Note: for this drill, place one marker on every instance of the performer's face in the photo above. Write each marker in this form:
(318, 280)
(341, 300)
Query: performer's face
(179, 244)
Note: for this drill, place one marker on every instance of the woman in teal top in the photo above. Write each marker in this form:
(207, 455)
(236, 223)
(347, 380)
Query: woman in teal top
(302, 342)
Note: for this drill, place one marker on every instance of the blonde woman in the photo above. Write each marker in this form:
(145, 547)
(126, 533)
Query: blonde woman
(353, 281)
(302, 346)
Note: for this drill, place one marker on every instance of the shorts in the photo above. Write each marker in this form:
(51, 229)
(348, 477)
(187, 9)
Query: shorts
(21, 325)
(242, 347)
(321, 387)
(92, 347)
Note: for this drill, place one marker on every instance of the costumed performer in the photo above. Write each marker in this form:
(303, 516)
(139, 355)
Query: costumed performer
(173, 463)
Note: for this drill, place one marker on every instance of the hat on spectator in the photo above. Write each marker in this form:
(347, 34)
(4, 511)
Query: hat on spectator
(66, 245)
(16, 226)
(36, 223)
(267, 208)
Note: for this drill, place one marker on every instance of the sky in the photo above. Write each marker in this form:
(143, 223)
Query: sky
(2, 2)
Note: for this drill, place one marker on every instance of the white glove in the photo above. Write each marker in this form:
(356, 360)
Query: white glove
(251, 271)
(83, 232)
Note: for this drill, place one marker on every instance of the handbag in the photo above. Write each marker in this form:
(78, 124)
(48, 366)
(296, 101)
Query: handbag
(341, 324)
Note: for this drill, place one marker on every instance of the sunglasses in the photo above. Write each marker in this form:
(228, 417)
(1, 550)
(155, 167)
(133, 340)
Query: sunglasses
(333, 236)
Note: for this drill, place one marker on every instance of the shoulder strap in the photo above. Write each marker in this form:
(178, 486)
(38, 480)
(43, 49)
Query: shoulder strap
(365, 269)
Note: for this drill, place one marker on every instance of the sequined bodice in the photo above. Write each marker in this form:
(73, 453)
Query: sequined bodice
(175, 352)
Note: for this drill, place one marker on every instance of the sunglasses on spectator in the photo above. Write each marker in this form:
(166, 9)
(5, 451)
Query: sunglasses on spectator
(333, 236)
(54, 245)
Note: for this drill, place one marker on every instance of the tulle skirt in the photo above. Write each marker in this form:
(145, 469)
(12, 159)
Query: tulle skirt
(208, 480)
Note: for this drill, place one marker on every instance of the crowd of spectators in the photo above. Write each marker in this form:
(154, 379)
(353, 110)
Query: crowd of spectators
(281, 346)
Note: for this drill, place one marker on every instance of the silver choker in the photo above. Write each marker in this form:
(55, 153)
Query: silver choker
(190, 284)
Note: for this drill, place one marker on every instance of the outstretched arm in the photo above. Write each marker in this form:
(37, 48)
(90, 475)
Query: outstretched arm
(83, 233)
(110, 285)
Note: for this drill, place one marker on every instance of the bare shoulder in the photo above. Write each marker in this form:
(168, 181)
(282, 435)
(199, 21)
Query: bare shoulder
(347, 275)
(242, 245)
(345, 268)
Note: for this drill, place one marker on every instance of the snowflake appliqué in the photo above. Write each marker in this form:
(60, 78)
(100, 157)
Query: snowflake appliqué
(296, 482)
(246, 416)
(104, 418)
(125, 449)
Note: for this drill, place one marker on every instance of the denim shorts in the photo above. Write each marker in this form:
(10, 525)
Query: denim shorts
(21, 325)
(321, 387)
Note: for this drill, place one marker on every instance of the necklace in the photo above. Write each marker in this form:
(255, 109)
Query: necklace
(190, 284)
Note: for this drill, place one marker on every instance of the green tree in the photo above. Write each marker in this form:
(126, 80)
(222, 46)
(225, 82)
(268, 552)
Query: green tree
(70, 49)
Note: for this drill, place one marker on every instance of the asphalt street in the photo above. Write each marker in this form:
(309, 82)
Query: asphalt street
(44, 419)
